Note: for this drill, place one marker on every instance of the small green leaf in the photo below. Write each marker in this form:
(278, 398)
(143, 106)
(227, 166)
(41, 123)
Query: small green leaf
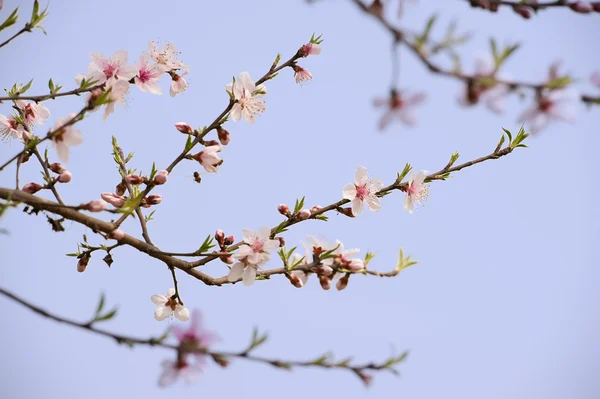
(11, 20)
(107, 316)
(100, 305)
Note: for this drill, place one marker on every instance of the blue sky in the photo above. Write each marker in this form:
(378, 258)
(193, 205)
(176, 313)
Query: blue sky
(503, 302)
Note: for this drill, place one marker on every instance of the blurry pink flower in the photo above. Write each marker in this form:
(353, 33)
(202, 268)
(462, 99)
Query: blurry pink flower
(167, 56)
(10, 129)
(103, 69)
(34, 114)
(148, 75)
(116, 234)
(178, 84)
(194, 337)
(168, 306)
(555, 105)
(400, 106)
(115, 200)
(248, 97)
(363, 190)
(493, 96)
(172, 370)
(65, 137)
(417, 191)
(299, 277)
(209, 158)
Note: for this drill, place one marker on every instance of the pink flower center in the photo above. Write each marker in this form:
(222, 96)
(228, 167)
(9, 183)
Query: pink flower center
(258, 246)
(145, 75)
(362, 191)
(545, 104)
(109, 71)
(397, 102)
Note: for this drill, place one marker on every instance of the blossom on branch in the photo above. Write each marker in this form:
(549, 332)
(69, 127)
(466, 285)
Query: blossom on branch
(172, 370)
(103, 69)
(33, 114)
(302, 75)
(209, 158)
(118, 90)
(399, 107)
(194, 337)
(10, 128)
(178, 84)
(484, 87)
(248, 98)
(554, 105)
(252, 254)
(417, 191)
(65, 137)
(363, 190)
(167, 56)
(148, 75)
(168, 306)
(345, 258)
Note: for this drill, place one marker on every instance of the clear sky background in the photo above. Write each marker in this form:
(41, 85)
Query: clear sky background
(504, 301)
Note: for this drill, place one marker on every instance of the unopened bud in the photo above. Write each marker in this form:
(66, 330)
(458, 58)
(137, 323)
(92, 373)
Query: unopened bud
(346, 211)
(220, 360)
(596, 6)
(303, 214)
(134, 179)
(31, 188)
(24, 157)
(161, 177)
(525, 12)
(220, 237)
(365, 378)
(83, 262)
(281, 242)
(312, 48)
(154, 199)
(284, 210)
(376, 8)
(227, 259)
(325, 282)
(64, 177)
(57, 168)
(224, 136)
(116, 234)
(115, 200)
(209, 143)
(96, 206)
(184, 128)
(323, 270)
(581, 7)
(120, 189)
(342, 283)
(315, 208)
(229, 240)
(295, 280)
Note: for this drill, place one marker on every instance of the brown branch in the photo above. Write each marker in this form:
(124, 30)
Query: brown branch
(26, 28)
(52, 96)
(218, 356)
(534, 5)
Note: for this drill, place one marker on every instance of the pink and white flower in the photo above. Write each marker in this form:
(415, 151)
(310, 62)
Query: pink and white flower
(417, 191)
(10, 128)
(168, 306)
(103, 69)
(400, 107)
(167, 56)
(178, 83)
(554, 105)
(65, 137)
(173, 369)
(119, 90)
(492, 95)
(363, 190)
(345, 258)
(302, 75)
(194, 336)
(148, 75)
(310, 49)
(252, 254)
(33, 114)
(248, 98)
(209, 158)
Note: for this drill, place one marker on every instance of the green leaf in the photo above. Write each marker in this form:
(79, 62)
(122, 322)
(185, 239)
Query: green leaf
(508, 134)
(207, 244)
(559, 83)
(298, 205)
(494, 49)
(189, 144)
(100, 305)
(11, 20)
(107, 316)
(404, 172)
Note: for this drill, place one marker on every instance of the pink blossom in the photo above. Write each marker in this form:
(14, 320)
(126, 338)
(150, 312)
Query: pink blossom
(345, 259)
(34, 114)
(116, 235)
(301, 74)
(166, 57)
(103, 69)
(168, 305)
(303, 214)
(10, 129)
(491, 93)
(148, 75)
(248, 98)
(172, 370)
(209, 158)
(118, 90)
(153, 199)
(400, 106)
(363, 190)
(310, 49)
(194, 336)
(178, 84)
(554, 105)
(65, 137)
(115, 200)
(252, 254)
(417, 191)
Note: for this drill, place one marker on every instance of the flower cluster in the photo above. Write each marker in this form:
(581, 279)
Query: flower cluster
(253, 253)
(18, 126)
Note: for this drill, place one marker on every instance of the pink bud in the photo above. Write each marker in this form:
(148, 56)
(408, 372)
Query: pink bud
(134, 179)
(310, 49)
(229, 240)
(96, 206)
(220, 237)
(65, 177)
(365, 378)
(161, 177)
(295, 280)
(525, 12)
(116, 234)
(184, 128)
(596, 6)
(581, 7)
(325, 282)
(227, 259)
(83, 262)
(154, 199)
(115, 200)
(303, 214)
(315, 208)
(284, 210)
(342, 283)
(32, 188)
(120, 189)
(57, 168)
(323, 270)
(224, 136)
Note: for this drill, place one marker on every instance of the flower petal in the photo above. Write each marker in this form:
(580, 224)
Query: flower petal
(236, 272)
(181, 313)
(349, 192)
(162, 312)
(249, 276)
(159, 300)
(361, 176)
(357, 206)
